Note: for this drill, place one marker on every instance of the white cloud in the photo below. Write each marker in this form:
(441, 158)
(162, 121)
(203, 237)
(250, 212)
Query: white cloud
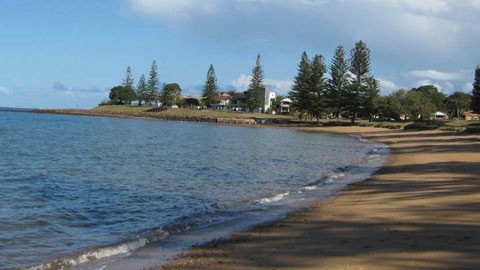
(419, 28)
(427, 82)
(180, 11)
(436, 75)
(280, 86)
(175, 11)
(447, 88)
(417, 38)
(468, 86)
(242, 82)
(427, 6)
(415, 6)
(5, 90)
(387, 86)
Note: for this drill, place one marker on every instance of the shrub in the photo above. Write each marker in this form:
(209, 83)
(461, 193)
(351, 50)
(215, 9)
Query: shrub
(421, 126)
(474, 129)
(105, 102)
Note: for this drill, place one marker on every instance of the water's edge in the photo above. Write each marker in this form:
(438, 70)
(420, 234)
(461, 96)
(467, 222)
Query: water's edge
(158, 253)
(156, 248)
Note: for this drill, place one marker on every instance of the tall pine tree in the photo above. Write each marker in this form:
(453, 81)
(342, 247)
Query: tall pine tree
(300, 93)
(210, 94)
(318, 87)
(475, 105)
(142, 90)
(128, 83)
(339, 81)
(152, 84)
(372, 90)
(360, 68)
(256, 89)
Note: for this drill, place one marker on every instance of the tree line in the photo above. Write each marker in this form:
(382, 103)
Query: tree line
(351, 91)
(351, 88)
(145, 90)
(254, 96)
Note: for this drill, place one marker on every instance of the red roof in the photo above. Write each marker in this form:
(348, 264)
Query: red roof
(224, 98)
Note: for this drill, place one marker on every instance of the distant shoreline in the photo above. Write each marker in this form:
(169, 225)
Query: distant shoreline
(237, 120)
(214, 117)
(7, 109)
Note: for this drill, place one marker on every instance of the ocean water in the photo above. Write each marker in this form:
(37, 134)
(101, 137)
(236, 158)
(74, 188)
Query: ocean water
(101, 193)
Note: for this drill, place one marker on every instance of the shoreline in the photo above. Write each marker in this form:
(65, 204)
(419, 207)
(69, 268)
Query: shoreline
(403, 216)
(418, 211)
(248, 120)
(235, 120)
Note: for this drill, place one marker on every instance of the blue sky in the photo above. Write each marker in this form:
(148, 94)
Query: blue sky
(69, 54)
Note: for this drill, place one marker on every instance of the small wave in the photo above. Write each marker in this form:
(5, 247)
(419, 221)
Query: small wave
(307, 188)
(102, 252)
(275, 198)
(359, 138)
(333, 177)
(338, 173)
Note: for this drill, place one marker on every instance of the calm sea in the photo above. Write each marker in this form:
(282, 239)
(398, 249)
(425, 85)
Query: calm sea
(101, 193)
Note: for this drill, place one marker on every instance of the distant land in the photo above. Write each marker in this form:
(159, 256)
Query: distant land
(8, 109)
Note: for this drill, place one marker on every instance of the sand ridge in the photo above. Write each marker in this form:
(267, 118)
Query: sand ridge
(420, 211)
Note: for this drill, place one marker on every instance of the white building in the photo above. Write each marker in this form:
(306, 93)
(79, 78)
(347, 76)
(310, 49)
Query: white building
(285, 105)
(269, 98)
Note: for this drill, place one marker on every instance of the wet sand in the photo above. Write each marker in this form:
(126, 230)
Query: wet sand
(420, 211)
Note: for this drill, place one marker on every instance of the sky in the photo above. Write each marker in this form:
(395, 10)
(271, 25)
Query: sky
(69, 54)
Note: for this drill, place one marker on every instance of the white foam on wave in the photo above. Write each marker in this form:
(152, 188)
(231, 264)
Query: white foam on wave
(275, 198)
(333, 177)
(359, 138)
(307, 188)
(101, 253)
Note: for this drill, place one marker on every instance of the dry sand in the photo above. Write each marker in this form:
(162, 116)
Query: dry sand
(420, 211)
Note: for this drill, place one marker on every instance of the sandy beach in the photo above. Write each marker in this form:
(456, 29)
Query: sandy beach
(420, 211)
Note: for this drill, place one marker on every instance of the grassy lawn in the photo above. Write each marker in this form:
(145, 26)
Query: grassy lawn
(459, 123)
(471, 126)
(449, 125)
(186, 112)
(120, 108)
(358, 122)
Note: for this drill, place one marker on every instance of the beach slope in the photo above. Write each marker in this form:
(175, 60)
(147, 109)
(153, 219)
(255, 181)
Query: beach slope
(420, 211)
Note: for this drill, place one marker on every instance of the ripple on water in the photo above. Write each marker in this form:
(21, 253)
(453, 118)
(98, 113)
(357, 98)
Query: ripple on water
(86, 187)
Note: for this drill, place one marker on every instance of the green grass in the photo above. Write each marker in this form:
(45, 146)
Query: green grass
(185, 112)
(120, 108)
(448, 125)
(358, 122)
